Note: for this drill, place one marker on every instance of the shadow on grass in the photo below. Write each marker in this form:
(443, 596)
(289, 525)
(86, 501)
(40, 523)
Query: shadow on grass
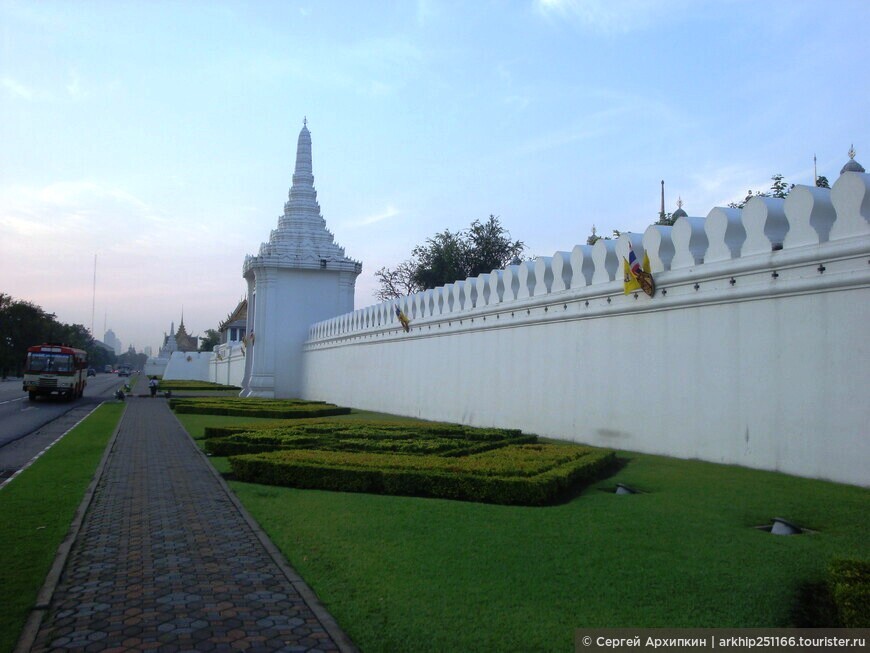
(814, 607)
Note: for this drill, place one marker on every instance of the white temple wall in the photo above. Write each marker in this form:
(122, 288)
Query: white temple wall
(295, 298)
(757, 359)
(189, 366)
(155, 366)
(227, 366)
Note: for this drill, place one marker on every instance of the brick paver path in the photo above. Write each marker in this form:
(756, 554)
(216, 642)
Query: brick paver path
(165, 560)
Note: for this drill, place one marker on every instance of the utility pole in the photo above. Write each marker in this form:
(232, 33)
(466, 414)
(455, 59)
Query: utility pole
(94, 297)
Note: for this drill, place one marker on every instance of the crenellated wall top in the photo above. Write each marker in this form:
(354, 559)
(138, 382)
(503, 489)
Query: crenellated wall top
(765, 238)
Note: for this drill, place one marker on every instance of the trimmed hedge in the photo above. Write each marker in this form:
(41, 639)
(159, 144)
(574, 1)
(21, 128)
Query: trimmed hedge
(180, 384)
(849, 584)
(243, 407)
(416, 439)
(516, 475)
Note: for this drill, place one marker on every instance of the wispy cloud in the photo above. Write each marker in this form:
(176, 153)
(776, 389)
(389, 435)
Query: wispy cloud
(390, 212)
(608, 16)
(16, 89)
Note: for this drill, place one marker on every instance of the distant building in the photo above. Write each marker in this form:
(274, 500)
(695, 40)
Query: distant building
(112, 341)
(178, 341)
(104, 346)
(233, 329)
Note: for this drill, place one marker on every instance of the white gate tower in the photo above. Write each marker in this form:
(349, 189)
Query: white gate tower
(301, 276)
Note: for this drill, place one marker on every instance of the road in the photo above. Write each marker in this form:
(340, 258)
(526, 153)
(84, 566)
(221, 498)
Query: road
(27, 427)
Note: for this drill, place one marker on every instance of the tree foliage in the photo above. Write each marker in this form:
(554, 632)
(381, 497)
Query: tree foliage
(210, 340)
(23, 324)
(451, 256)
(778, 188)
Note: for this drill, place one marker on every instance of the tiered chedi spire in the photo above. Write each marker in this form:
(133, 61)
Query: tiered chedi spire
(302, 239)
(298, 278)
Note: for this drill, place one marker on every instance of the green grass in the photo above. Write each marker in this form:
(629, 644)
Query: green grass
(401, 573)
(37, 509)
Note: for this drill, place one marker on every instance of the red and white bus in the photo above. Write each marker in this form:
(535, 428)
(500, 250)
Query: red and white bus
(55, 369)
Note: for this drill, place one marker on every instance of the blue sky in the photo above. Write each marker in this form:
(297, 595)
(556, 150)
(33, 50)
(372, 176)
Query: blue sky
(161, 136)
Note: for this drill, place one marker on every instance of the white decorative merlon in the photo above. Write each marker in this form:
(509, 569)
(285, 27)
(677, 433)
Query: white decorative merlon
(562, 271)
(582, 266)
(622, 249)
(543, 275)
(526, 278)
(606, 263)
(765, 224)
(810, 214)
(511, 282)
(690, 242)
(659, 245)
(851, 198)
(725, 234)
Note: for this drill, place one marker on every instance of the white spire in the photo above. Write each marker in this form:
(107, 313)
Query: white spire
(302, 239)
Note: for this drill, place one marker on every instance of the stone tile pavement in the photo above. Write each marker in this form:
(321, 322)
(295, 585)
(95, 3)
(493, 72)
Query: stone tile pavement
(166, 559)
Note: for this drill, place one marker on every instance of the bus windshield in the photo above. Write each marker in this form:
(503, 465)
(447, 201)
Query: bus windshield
(42, 362)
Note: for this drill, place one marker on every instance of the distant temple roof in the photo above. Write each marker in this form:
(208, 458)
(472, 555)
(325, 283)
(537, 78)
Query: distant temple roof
(178, 340)
(852, 165)
(237, 318)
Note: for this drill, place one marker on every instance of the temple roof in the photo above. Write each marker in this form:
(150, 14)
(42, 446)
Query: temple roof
(852, 165)
(240, 314)
(302, 239)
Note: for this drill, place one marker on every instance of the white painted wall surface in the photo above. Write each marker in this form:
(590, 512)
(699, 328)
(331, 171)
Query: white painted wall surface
(758, 360)
(227, 366)
(188, 366)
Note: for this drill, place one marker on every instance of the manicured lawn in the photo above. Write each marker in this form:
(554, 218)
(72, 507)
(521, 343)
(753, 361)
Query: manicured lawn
(37, 509)
(402, 573)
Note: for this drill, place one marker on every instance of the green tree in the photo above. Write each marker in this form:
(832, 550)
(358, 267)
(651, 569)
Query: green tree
(22, 325)
(778, 188)
(451, 256)
(822, 182)
(210, 340)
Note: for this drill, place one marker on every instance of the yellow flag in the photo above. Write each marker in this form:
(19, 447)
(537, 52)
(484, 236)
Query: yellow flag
(629, 281)
(640, 279)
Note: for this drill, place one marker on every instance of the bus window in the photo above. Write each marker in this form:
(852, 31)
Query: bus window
(38, 362)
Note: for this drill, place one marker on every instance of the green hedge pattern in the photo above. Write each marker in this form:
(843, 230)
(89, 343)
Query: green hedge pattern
(181, 384)
(424, 438)
(286, 408)
(516, 475)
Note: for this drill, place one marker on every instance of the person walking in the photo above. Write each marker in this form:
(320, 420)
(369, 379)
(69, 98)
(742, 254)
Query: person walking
(152, 385)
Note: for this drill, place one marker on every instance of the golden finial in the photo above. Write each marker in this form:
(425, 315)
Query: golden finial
(852, 151)
(679, 202)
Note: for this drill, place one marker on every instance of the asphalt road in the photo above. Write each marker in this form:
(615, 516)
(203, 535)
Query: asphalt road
(27, 427)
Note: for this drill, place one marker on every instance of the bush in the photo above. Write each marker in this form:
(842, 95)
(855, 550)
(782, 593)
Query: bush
(514, 474)
(286, 408)
(849, 583)
(180, 384)
(410, 439)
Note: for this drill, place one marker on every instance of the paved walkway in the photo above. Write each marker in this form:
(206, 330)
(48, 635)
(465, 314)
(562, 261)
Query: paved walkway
(166, 559)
